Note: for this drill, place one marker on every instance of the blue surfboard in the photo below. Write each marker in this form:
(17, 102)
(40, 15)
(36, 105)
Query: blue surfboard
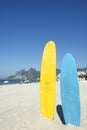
(70, 91)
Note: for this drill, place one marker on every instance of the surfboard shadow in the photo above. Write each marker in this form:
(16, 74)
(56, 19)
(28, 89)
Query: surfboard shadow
(60, 113)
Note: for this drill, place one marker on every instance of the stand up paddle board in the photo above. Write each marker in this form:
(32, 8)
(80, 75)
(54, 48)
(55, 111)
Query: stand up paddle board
(48, 81)
(70, 91)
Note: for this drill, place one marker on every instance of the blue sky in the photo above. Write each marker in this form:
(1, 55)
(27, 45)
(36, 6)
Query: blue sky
(27, 25)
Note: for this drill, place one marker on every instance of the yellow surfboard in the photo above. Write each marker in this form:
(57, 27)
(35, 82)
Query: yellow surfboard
(48, 81)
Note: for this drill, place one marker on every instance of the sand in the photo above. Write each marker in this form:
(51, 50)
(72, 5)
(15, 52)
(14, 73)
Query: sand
(19, 108)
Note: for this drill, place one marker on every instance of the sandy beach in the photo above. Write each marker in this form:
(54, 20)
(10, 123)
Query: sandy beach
(19, 108)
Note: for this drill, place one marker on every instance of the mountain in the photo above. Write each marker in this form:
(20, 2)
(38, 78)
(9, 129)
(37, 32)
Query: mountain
(58, 71)
(30, 74)
(33, 74)
(82, 69)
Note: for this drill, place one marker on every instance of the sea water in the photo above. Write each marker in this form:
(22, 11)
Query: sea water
(10, 81)
(16, 81)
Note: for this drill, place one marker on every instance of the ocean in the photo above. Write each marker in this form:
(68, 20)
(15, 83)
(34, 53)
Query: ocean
(10, 81)
(18, 81)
